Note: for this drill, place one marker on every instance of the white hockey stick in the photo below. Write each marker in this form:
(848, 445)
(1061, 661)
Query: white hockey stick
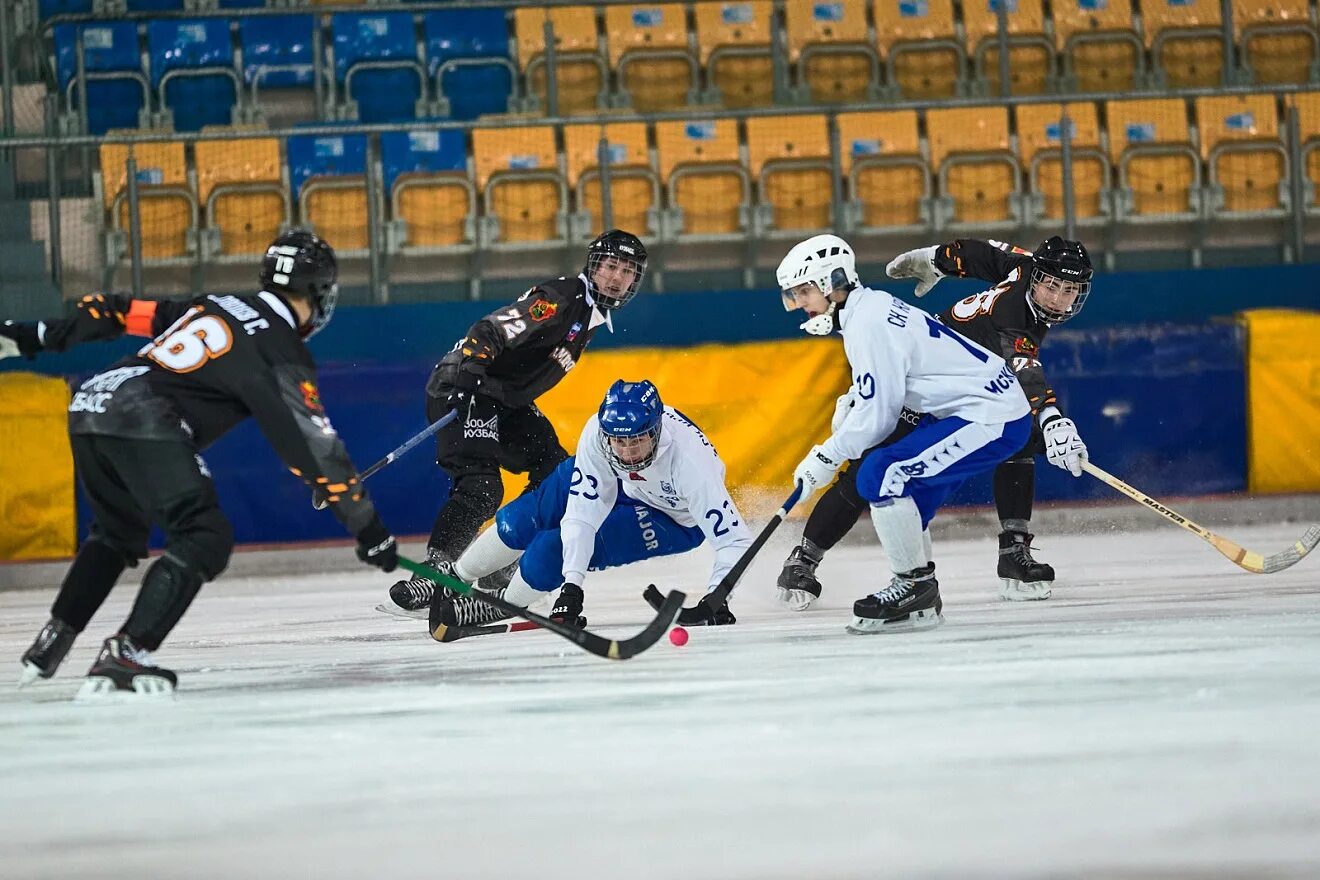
(1240, 556)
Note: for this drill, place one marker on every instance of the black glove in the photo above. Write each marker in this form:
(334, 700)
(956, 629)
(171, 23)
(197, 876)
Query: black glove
(568, 607)
(698, 615)
(465, 388)
(19, 338)
(376, 546)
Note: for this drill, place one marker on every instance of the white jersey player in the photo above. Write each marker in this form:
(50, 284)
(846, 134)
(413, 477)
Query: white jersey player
(645, 482)
(900, 356)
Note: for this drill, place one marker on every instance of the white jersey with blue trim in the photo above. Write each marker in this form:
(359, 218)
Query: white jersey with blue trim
(685, 481)
(901, 357)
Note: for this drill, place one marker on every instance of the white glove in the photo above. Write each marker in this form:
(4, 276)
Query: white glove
(918, 264)
(842, 407)
(815, 471)
(1063, 445)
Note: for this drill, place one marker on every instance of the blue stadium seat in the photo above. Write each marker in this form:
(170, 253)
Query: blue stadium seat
(376, 64)
(242, 4)
(314, 155)
(277, 50)
(116, 86)
(51, 8)
(192, 70)
(402, 152)
(155, 5)
(479, 40)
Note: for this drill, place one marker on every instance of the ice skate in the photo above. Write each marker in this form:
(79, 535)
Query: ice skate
(412, 597)
(798, 586)
(1022, 578)
(910, 602)
(462, 611)
(122, 669)
(47, 652)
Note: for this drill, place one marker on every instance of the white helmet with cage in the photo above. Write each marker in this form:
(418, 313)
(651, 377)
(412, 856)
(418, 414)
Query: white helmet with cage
(824, 260)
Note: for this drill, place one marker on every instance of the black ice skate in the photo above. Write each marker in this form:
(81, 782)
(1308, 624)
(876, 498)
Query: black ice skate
(122, 669)
(910, 602)
(412, 597)
(1022, 578)
(462, 612)
(47, 652)
(568, 607)
(798, 586)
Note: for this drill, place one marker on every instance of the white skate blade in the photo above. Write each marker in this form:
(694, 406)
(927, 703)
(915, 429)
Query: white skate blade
(395, 611)
(31, 672)
(1013, 590)
(917, 620)
(796, 600)
(98, 689)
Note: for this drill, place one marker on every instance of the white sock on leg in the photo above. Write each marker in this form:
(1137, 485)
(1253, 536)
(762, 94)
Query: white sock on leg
(925, 542)
(519, 592)
(898, 526)
(486, 554)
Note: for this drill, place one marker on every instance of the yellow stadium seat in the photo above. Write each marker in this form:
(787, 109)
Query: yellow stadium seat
(1278, 43)
(649, 50)
(583, 74)
(1244, 156)
(969, 150)
(436, 209)
(167, 207)
(708, 188)
(917, 40)
(789, 159)
(1101, 51)
(240, 184)
(1040, 130)
(1159, 173)
(517, 172)
(634, 186)
(831, 48)
(1030, 53)
(888, 181)
(336, 207)
(733, 39)
(1185, 40)
(1308, 125)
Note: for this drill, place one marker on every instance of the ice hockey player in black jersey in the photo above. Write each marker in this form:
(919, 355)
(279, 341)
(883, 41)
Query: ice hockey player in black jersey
(1032, 292)
(494, 376)
(137, 430)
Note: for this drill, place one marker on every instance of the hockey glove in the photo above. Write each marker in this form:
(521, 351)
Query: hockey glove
(568, 607)
(376, 547)
(19, 339)
(816, 471)
(842, 407)
(698, 615)
(1063, 445)
(465, 388)
(918, 264)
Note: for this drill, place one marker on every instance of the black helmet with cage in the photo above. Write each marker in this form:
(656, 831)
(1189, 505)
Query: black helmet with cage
(1060, 279)
(616, 252)
(301, 265)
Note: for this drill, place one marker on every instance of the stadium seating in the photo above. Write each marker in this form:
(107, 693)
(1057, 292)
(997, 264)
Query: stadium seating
(733, 42)
(707, 188)
(277, 54)
(166, 207)
(889, 184)
(524, 197)
(1186, 41)
(789, 161)
(1030, 52)
(376, 66)
(327, 174)
(467, 56)
(634, 185)
(156, 5)
(433, 202)
(917, 40)
(1159, 172)
(1246, 163)
(243, 195)
(50, 8)
(192, 72)
(583, 76)
(118, 95)
(648, 50)
(832, 51)
(1307, 105)
(1278, 42)
(978, 175)
(1040, 138)
(1101, 51)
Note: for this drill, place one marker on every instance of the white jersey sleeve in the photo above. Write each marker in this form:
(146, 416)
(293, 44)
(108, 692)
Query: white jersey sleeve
(700, 474)
(591, 495)
(880, 362)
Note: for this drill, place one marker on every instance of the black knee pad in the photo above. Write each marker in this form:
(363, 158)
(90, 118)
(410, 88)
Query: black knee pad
(545, 466)
(198, 534)
(168, 588)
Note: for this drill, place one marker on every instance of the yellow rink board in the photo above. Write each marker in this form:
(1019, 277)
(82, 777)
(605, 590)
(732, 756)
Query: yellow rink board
(36, 468)
(1283, 400)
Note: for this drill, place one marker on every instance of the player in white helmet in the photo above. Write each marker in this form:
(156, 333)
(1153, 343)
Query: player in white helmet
(900, 356)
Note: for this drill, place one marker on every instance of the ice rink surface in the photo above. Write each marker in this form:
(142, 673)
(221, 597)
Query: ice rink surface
(1159, 717)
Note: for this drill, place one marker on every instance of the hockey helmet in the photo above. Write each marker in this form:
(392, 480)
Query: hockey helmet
(824, 260)
(301, 265)
(1062, 268)
(631, 410)
(621, 248)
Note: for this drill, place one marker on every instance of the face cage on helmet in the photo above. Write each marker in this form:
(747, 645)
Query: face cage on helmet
(630, 467)
(1041, 276)
(608, 301)
(323, 309)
